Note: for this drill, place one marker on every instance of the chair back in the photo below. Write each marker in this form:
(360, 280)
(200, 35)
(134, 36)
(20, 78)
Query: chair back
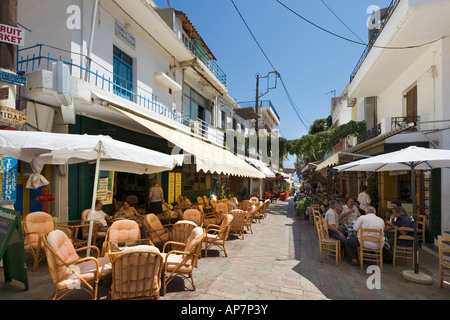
(444, 266)
(181, 230)
(59, 250)
(136, 273)
(193, 246)
(224, 229)
(398, 236)
(368, 253)
(205, 201)
(84, 217)
(156, 231)
(254, 199)
(235, 200)
(246, 205)
(421, 226)
(122, 230)
(193, 215)
(237, 224)
(200, 200)
(222, 208)
(371, 235)
(36, 223)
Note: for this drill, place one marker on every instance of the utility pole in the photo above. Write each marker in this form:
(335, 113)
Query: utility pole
(8, 52)
(256, 106)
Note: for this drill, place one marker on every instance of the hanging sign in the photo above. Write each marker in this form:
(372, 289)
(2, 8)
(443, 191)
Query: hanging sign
(105, 187)
(8, 180)
(13, 78)
(12, 116)
(13, 35)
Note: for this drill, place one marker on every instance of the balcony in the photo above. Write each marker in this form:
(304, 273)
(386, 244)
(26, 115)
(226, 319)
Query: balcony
(266, 110)
(42, 57)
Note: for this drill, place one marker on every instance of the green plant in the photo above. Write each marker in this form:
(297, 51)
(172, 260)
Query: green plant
(372, 190)
(302, 205)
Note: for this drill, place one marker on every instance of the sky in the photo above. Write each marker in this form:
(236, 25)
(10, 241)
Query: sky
(315, 66)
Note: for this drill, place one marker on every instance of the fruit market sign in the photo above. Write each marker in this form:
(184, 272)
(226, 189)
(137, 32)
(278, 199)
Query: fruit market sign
(12, 35)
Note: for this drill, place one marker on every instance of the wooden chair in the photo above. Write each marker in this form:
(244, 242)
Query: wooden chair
(403, 251)
(311, 209)
(136, 273)
(328, 246)
(238, 223)
(157, 232)
(218, 235)
(421, 226)
(181, 231)
(68, 270)
(36, 225)
(182, 262)
(444, 266)
(368, 254)
(121, 230)
(193, 215)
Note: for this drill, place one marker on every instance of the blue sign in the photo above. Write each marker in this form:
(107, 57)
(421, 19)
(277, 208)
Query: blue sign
(8, 180)
(13, 78)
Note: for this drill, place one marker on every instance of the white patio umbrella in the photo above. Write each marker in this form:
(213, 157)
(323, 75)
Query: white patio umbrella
(412, 158)
(41, 148)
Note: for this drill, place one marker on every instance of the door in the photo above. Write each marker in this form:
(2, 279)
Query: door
(123, 74)
(411, 105)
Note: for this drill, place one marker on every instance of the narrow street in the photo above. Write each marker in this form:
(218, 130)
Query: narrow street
(279, 261)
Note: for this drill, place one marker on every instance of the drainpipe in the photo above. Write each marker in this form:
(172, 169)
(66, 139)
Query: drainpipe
(91, 40)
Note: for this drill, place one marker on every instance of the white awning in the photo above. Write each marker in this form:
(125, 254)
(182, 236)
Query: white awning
(261, 166)
(208, 157)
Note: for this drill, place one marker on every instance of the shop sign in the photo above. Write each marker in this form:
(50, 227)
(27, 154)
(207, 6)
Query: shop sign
(13, 78)
(12, 116)
(8, 180)
(12, 35)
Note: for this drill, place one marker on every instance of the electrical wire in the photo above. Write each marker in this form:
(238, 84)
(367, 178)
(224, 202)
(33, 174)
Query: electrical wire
(341, 20)
(354, 41)
(294, 107)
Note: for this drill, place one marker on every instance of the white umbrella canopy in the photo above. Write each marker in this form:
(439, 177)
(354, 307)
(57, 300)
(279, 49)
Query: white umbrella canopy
(41, 148)
(59, 148)
(412, 158)
(419, 158)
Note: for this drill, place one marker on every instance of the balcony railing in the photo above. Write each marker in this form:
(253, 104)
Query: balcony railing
(197, 49)
(261, 103)
(41, 57)
(385, 18)
(398, 122)
(369, 134)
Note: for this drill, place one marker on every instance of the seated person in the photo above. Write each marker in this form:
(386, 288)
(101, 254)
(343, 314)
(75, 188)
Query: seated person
(333, 221)
(129, 212)
(169, 213)
(99, 216)
(182, 203)
(351, 212)
(324, 206)
(401, 220)
(231, 202)
(368, 221)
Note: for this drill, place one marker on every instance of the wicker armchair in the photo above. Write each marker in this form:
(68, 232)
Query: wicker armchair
(157, 232)
(136, 273)
(68, 270)
(181, 231)
(209, 217)
(218, 235)
(97, 236)
(121, 230)
(182, 262)
(193, 215)
(249, 217)
(238, 223)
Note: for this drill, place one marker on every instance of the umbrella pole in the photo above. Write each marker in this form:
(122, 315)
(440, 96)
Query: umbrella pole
(414, 214)
(94, 196)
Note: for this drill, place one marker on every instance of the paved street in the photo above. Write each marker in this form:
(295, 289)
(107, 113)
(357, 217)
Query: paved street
(280, 261)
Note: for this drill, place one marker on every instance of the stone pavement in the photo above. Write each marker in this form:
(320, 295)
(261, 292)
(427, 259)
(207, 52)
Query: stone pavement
(279, 261)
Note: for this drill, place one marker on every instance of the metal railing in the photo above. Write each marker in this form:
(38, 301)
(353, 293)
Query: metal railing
(197, 49)
(385, 18)
(261, 103)
(42, 57)
(369, 134)
(399, 122)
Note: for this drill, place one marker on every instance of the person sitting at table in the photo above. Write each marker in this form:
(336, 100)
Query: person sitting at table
(324, 206)
(99, 216)
(400, 219)
(168, 213)
(351, 212)
(182, 203)
(333, 221)
(129, 212)
(368, 221)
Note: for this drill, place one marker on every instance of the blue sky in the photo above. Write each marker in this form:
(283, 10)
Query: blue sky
(312, 63)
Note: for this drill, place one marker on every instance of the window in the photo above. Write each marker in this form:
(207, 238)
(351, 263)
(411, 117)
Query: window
(196, 181)
(123, 74)
(224, 120)
(194, 104)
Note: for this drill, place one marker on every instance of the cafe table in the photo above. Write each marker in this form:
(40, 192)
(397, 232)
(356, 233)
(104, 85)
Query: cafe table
(116, 247)
(73, 226)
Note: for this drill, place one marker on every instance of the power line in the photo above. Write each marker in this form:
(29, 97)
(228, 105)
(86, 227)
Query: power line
(354, 41)
(294, 107)
(341, 20)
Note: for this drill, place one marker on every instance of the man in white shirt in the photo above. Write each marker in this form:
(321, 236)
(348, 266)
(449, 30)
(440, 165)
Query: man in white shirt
(367, 221)
(99, 216)
(350, 212)
(364, 200)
